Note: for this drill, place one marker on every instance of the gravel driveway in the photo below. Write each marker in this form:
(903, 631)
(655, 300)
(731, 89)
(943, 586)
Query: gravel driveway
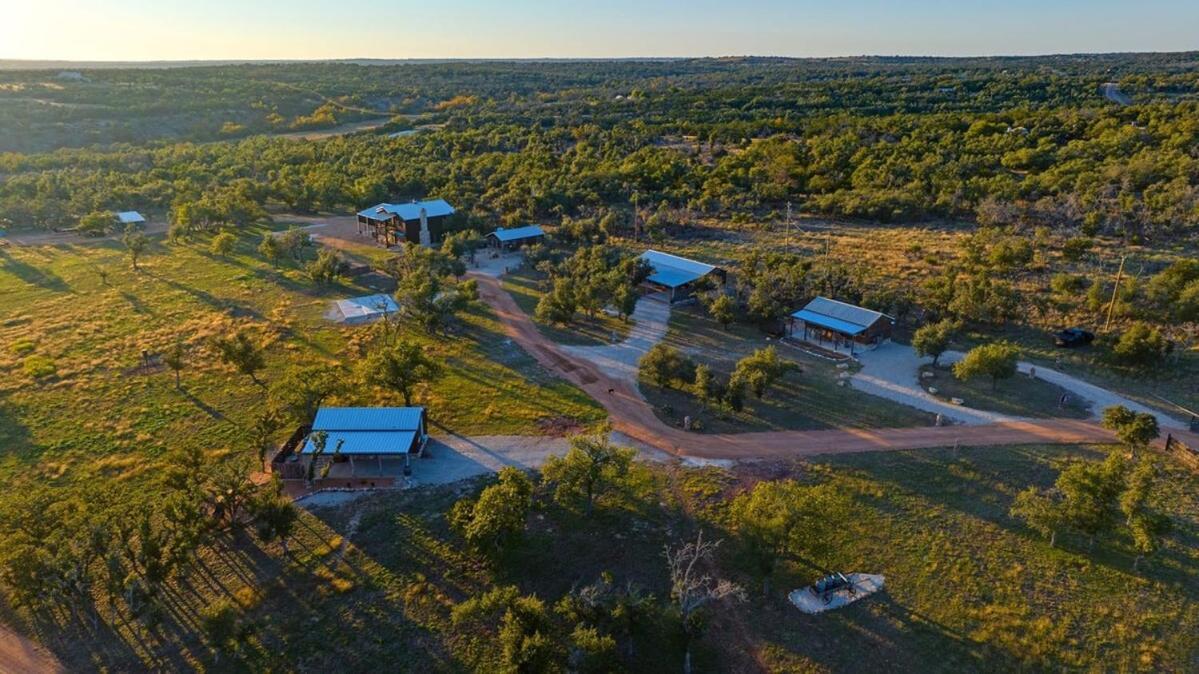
(650, 321)
(892, 371)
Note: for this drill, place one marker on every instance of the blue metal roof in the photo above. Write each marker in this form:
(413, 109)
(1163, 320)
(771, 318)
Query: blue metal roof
(129, 217)
(434, 208)
(368, 419)
(365, 442)
(672, 278)
(829, 322)
(517, 233)
(673, 271)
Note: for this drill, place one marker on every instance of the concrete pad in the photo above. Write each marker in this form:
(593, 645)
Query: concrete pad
(864, 584)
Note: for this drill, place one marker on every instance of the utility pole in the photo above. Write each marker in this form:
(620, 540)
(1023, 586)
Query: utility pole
(789, 247)
(1111, 306)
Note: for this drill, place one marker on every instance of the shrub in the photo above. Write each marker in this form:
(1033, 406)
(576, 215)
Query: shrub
(663, 365)
(1141, 346)
(39, 367)
(996, 360)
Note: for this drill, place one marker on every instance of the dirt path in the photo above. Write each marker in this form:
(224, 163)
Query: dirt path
(633, 417)
(20, 655)
(43, 238)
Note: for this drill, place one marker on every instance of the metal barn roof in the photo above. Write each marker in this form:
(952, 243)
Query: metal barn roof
(673, 271)
(434, 208)
(368, 430)
(359, 309)
(368, 419)
(130, 217)
(517, 233)
(365, 442)
(840, 316)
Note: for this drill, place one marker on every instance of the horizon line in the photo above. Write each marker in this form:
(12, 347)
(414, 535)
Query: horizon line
(515, 59)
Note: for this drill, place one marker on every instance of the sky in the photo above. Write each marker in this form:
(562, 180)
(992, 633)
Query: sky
(141, 30)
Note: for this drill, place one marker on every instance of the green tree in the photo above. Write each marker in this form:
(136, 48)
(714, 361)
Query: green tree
(401, 367)
(996, 360)
(242, 353)
(270, 249)
(1134, 429)
(175, 358)
(1141, 346)
(325, 269)
(591, 467)
(761, 369)
(560, 304)
(96, 223)
(497, 517)
(780, 518)
(663, 365)
(705, 386)
(223, 244)
(1089, 491)
(723, 310)
(933, 339)
(275, 516)
(1040, 511)
(135, 243)
(302, 389)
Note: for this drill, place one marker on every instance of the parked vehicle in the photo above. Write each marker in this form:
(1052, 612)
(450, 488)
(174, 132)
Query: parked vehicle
(1072, 337)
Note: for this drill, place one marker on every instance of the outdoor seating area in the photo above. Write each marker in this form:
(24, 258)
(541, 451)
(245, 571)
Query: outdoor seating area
(835, 591)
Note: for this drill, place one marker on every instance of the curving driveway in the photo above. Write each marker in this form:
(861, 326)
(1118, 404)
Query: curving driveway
(631, 416)
(892, 371)
(651, 319)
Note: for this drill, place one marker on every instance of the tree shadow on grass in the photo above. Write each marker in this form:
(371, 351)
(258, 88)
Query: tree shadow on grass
(232, 307)
(42, 278)
(983, 482)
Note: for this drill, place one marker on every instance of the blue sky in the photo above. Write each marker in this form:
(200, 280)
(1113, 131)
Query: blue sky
(318, 29)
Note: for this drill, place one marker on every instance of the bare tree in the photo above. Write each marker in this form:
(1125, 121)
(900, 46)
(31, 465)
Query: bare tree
(691, 588)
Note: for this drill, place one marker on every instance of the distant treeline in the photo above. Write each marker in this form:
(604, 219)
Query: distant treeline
(1102, 168)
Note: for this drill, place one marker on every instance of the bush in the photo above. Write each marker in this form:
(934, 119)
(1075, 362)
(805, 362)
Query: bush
(1067, 284)
(223, 243)
(664, 365)
(996, 360)
(39, 367)
(1141, 346)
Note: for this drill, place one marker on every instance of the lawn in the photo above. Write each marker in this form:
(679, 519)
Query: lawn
(807, 399)
(371, 585)
(1020, 396)
(95, 414)
(525, 287)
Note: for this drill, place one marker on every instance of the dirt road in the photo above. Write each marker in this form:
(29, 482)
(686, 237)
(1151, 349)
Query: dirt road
(631, 415)
(19, 655)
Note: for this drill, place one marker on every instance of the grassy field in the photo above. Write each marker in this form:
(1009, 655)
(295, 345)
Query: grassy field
(1020, 396)
(807, 399)
(524, 286)
(76, 406)
(371, 585)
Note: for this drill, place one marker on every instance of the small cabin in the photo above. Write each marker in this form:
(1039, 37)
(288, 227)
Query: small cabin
(839, 325)
(517, 237)
(678, 276)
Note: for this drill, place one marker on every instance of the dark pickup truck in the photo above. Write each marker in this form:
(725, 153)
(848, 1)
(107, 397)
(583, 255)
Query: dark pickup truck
(1072, 337)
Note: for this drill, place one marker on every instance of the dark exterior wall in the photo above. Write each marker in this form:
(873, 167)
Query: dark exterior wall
(879, 330)
(437, 227)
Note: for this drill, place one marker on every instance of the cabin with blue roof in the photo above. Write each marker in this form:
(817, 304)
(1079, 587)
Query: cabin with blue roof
(678, 276)
(421, 222)
(839, 325)
(354, 447)
(511, 239)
